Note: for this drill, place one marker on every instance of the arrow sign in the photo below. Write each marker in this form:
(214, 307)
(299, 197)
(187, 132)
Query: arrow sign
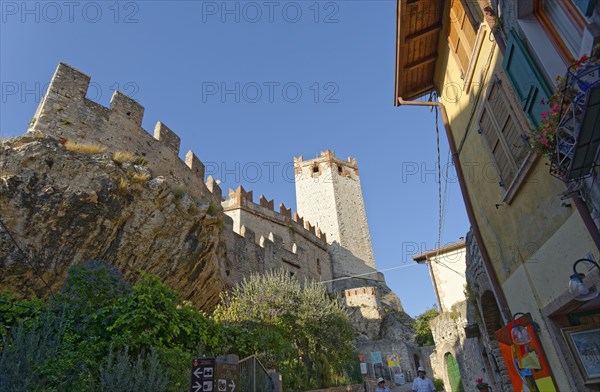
(197, 387)
(198, 372)
(232, 386)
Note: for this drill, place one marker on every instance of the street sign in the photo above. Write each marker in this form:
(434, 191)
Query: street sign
(203, 375)
(227, 373)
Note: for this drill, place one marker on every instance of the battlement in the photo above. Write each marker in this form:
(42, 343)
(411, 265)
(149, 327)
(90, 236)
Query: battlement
(242, 200)
(362, 296)
(327, 161)
(66, 113)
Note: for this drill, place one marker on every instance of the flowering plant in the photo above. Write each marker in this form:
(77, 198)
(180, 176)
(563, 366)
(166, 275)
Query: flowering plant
(543, 140)
(481, 384)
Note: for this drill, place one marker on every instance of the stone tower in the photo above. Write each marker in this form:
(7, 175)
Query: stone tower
(328, 194)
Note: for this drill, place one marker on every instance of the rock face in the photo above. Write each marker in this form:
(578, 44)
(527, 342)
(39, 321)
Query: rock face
(64, 207)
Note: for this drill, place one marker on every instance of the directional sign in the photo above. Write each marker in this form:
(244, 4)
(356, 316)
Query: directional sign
(203, 370)
(227, 374)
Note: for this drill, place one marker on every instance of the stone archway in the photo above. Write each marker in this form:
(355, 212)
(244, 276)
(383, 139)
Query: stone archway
(417, 361)
(492, 322)
(492, 318)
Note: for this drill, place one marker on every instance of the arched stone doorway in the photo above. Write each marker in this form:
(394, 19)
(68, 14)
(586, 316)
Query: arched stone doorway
(492, 318)
(492, 321)
(417, 361)
(453, 372)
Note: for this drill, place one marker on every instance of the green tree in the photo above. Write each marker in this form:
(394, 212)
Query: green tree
(424, 337)
(305, 332)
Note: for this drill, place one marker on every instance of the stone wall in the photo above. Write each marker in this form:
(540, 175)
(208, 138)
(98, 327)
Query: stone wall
(65, 113)
(273, 240)
(454, 334)
(486, 314)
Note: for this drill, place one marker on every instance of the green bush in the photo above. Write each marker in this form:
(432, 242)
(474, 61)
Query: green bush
(121, 373)
(102, 334)
(438, 384)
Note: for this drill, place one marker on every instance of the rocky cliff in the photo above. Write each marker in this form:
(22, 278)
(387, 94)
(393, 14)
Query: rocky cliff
(66, 204)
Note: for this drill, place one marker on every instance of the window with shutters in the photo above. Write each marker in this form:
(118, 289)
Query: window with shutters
(503, 134)
(462, 35)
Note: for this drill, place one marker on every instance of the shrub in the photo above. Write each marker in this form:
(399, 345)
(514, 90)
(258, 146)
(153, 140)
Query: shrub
(123, 374)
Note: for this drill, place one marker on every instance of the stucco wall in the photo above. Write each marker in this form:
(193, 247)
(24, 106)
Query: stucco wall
(450, 284)
(533, 226)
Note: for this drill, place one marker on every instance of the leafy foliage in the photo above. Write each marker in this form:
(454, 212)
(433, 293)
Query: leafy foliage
(304, 332)
(122, 374)
(424, 337)
(100, 333)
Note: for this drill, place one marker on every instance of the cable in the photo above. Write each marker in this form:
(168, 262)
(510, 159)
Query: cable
(369, 273)
(32, 265)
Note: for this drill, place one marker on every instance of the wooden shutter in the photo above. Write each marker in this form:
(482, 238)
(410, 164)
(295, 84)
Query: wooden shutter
(454, 373)
(502, 134)
(462, 35)
(527, 82)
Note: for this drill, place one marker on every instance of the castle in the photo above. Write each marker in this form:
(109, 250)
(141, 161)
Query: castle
(326, 240)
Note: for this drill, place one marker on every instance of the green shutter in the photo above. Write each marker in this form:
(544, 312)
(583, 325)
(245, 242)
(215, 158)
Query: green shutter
(586, 6)
(453, 374)
(527, 82)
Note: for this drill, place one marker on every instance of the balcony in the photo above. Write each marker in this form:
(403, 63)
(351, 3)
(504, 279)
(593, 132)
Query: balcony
(574, 150)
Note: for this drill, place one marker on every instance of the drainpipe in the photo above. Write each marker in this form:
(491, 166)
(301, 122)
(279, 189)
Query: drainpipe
(498, 293)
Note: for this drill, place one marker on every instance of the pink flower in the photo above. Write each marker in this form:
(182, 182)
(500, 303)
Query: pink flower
(544, 114)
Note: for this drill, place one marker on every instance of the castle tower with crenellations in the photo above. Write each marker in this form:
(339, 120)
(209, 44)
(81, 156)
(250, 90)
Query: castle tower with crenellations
(329, 194)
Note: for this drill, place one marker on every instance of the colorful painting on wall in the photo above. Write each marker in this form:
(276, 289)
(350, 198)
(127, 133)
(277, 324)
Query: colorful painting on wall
(393, 360)
(524, 357)
(376, 357)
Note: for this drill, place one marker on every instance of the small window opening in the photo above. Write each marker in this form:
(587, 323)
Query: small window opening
(315, 169)
(339, 169)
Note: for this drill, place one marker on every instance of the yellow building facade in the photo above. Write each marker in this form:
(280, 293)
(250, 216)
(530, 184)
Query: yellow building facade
(529, 238)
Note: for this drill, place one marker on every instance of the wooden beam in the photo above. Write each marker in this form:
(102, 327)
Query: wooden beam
(426, 60)
(415, 93)
(423, 33)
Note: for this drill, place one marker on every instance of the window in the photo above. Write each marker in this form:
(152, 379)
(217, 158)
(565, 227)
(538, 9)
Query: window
(340, 169)
(462, 35)
(564, 22)
(315, 169)
(503, 134)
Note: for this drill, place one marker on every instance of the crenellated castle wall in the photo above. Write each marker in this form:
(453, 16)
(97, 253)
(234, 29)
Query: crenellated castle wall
(290, 242)
(256, 237)
(66, 113)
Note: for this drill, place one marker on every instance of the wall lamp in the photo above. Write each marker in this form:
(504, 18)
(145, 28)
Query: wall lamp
(577, 288)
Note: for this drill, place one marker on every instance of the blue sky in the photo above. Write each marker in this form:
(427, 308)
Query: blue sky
(248, 86)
